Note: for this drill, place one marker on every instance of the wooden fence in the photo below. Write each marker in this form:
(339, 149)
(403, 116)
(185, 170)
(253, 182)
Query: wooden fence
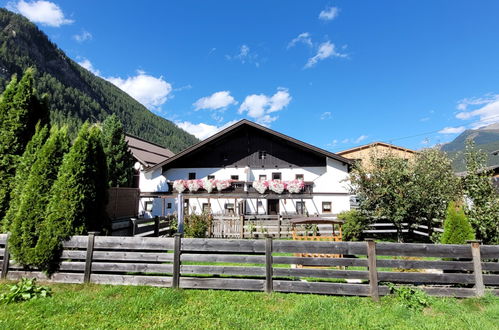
(142, 227)
(272, 265)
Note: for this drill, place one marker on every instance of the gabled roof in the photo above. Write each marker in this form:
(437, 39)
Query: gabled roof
(219, 135)
(374, 144)
(145, 152)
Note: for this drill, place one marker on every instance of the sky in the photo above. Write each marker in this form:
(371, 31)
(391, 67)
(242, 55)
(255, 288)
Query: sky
(335, 74)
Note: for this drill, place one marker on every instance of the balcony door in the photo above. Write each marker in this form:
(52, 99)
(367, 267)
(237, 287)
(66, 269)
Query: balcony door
(273, 206)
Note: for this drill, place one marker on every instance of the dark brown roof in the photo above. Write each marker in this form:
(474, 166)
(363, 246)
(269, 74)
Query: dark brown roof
(147, 153)
(370, 145)
(242, 122)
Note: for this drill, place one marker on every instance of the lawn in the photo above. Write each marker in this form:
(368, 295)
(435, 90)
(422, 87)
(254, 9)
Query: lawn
(126, 307)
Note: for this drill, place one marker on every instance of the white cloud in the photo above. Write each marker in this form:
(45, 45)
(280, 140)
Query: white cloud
(301, 38)
(452, 130)
(215, 101)
(360, 138)
(43, 12)
(325, 50)
(329, 13)
(83, 36)
(326, 115)
(202, 130)
(152, 92)
(259, 106)
(485, 110)
(245, 55)
(88, 65)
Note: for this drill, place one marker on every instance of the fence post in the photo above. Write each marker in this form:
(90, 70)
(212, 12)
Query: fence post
(134, 226)
(242, 226)
(90, 254)
(268, 265)
(6, 258)
(156, 226)
(477, 268)
(177, 246)
(373, 273)
(279, 219)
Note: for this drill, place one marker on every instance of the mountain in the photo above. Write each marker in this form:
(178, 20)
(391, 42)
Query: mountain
(75, 94)
(485, 138)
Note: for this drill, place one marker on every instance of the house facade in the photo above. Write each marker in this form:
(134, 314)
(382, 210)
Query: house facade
(248, 169)
(364, 154)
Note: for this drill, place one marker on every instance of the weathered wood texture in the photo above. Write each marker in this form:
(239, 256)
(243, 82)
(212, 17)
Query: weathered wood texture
(259, 265)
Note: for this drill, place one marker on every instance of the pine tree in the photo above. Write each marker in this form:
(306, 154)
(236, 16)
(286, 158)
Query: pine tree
(22, 173)
(21, 110)
(119, 158)
(27, 222)
(457, 228)
(78, 197)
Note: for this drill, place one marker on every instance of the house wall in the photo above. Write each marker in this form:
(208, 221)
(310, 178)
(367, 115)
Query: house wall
(330, 181)
(378, 151)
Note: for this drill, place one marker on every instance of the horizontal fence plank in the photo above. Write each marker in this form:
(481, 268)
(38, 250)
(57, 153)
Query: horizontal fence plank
(76, 242)
(120, 256)
(133, 243)
(161, 281)
(423, 250)
(321, 273)
(324, 288)
(491, 280)
(113, 267)
(2, 252)
(223, 245)
(223, 258)
(326, 262)
(413, 277)
(449, 292)
(222, 270)
(57, 277)
(490, 266)
(221, 283)
(425, 264)
(320, 247)
(3, 239)
(489, 251)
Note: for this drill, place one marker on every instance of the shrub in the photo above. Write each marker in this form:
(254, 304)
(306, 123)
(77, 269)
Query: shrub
(355, 223)
(197, 225)
(24, 290)
(457, 228)
(410, 297)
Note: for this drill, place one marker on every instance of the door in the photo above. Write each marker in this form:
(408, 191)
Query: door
(273, 206)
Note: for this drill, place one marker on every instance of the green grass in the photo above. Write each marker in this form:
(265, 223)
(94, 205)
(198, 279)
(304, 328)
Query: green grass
(127, 307)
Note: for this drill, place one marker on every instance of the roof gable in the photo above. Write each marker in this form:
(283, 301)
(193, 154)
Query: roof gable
(243, 139)
(145, 152)
(373, 145)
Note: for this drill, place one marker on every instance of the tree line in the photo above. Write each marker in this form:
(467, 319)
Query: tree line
(51, 187)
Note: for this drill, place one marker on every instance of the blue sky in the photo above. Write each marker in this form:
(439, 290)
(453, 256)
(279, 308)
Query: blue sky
(335, 74)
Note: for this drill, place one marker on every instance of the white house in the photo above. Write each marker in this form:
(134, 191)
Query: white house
(242, 158)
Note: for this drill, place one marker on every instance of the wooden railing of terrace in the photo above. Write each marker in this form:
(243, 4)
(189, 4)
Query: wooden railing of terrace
(269, 265)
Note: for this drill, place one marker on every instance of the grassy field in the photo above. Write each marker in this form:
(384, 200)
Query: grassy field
(127, 307)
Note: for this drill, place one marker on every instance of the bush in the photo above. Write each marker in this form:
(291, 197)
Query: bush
(25, 290)
(457, 228)
(197, 225)
(409, 297)
(354, 224)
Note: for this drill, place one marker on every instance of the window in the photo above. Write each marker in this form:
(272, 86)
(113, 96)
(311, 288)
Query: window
(300, 207)
(276, 176)
(229, 208)
(148, 206)
(169, 205)
(299, 176)
(234, 177)
(262, 177)
(262, 154)
(211, 177)
(326, 207)
(192, 176)
(206, 208)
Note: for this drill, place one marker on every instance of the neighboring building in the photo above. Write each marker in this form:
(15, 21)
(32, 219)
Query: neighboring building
(492, 170)
(243, 153)
(364, 153)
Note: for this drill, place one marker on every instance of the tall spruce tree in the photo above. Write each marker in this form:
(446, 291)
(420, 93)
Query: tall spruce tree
(21, 110)
(27, 222)
(78, 197)
(22, 173)
(119, 158)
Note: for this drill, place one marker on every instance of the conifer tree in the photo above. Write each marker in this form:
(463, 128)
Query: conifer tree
(78, 197)
(457, 228)
(27, 222)
(22, 172)
(119, 158)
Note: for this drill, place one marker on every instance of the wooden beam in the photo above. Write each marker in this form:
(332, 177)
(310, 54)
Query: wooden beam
(373, 273)
(477, 268)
